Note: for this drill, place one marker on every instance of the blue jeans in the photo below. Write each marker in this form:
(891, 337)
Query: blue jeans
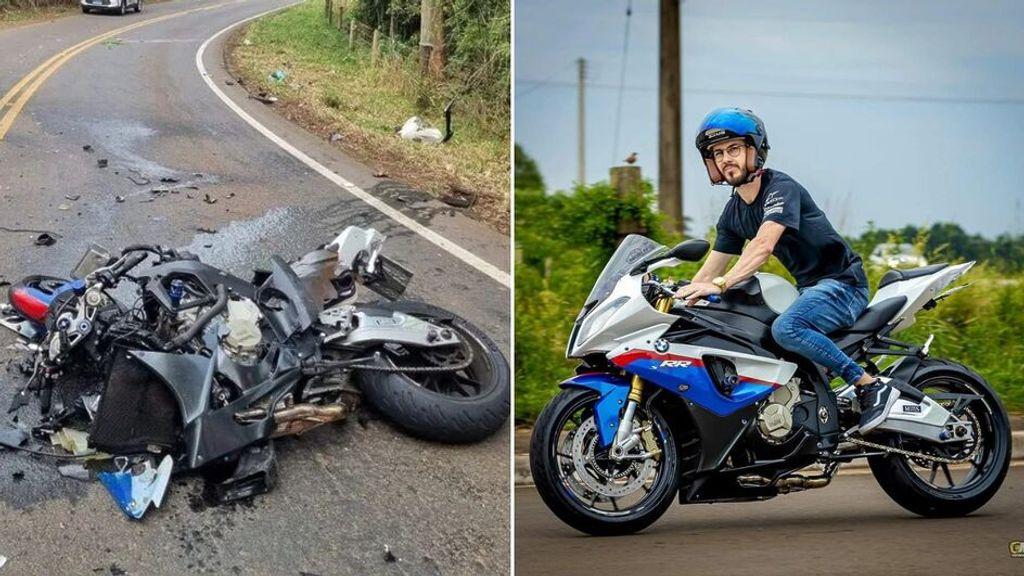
(821, 309)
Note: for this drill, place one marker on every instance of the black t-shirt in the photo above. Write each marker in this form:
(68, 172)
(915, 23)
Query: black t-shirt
(810, 248)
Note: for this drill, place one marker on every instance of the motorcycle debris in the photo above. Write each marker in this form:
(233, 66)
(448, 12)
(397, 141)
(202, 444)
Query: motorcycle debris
(74, 471)
(72, 197)
(91, 403)
(459, 197)
(335, 138)
(209, 199)
(205, 230)
(264, 97)
(380, 174)
(388, 556)
(169, 180)
(74, 441)
(18, 476)
(140, 182)
(12, 437)
(133, 493)
(64, 207)
(45, 239)
(119, 199)
(87, 147)
(255, 473)
(102, 162)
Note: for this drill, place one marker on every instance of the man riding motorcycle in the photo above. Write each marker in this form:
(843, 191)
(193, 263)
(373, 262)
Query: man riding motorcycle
(777, 216)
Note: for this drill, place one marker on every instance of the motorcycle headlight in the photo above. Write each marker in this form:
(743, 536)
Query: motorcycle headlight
(596, 321)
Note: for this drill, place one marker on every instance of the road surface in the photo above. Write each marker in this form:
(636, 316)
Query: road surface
(137, 99)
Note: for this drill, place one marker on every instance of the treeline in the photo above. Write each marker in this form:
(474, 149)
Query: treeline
(476, 40)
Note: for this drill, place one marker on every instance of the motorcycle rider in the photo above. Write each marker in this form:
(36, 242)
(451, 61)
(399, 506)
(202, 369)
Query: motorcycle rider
(777, 216)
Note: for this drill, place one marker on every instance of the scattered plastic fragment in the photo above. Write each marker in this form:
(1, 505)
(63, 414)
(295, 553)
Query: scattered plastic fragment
(264, 97)
(45, 239)
(388, 556)
(209, 199)
(278, 76)
(87, 147)
(133, 493)
(459, 197)
(64, 207)
(12, 437)
(418, 130)
(380, 174)
(74, 471)
(119, 199)
(74, 441)
(335, 138)
(72, 197)
(18, 476)
(102, 162)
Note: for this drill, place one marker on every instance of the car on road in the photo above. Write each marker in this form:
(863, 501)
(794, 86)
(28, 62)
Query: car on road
(119, 6)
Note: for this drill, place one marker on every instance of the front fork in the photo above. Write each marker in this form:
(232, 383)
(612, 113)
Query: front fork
(627, 437)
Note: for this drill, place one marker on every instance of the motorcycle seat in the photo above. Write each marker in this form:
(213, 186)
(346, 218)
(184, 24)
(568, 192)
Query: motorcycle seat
(899, 275)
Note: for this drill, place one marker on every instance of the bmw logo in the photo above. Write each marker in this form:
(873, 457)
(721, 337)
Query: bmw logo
(661, 346)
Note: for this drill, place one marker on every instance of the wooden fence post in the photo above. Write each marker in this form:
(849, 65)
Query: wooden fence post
(328, 10)
(351, 33)
(341, 17)
(375, 47)
(626, 180)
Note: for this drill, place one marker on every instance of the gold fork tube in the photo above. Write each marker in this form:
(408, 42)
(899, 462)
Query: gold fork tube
(636, 387)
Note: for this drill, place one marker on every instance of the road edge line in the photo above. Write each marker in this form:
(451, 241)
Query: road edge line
(488, 269)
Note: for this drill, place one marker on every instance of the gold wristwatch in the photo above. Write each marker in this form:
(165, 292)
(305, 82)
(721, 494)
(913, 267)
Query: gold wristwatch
(719, 281)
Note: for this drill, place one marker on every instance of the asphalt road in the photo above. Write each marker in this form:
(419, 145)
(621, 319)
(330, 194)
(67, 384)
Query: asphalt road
(850, 527)
(345, 491)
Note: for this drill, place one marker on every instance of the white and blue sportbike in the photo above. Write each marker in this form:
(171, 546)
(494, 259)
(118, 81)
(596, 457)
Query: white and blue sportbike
(699, 401)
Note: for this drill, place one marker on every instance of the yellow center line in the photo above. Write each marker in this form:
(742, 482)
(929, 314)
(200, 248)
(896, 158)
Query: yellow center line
(30, 83)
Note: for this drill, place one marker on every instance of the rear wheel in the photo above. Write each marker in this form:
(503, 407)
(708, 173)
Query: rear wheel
(583, 486)
(463, 405)
(935, 489)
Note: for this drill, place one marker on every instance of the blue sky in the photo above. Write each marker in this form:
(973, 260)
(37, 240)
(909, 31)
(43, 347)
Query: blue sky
(892, 112)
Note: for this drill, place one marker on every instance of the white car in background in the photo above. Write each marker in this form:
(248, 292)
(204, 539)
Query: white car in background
(119, 6)
(897, 256)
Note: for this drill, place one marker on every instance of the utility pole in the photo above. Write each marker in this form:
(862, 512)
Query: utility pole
(426, 35)
(581, 176)
(670, 152)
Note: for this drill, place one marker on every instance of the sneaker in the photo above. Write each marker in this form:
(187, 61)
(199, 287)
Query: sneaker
(876, 399)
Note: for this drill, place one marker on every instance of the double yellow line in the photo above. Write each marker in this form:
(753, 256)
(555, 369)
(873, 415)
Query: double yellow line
(16, 98)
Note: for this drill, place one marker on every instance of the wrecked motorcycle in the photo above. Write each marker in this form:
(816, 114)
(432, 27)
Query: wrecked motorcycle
(207, 368)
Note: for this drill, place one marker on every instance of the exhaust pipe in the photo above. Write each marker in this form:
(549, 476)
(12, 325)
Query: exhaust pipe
(297, 418)
(786, 484)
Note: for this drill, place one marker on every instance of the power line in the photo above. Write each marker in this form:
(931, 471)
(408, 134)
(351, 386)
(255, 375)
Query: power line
(546, 81)
(786, 94)
(622, 82)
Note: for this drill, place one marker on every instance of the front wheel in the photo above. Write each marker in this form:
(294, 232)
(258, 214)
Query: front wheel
(935, 489)
(583, 486)
(138, 6)
(464, 405)
(123, 9)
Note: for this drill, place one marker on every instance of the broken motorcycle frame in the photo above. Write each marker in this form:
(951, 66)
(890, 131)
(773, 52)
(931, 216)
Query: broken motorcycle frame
(207, 367)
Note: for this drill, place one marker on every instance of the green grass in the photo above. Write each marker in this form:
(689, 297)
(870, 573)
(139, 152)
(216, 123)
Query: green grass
(11, 15)
(333, 89)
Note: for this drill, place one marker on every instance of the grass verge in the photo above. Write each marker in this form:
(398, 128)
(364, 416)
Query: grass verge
(331, 89)
(11, 17)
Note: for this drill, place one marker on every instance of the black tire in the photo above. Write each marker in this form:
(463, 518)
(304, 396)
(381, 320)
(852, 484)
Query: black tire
(123, 9)
(138, 6)
(432, 415)
(544, 467)
(86, 10)
(913, 493)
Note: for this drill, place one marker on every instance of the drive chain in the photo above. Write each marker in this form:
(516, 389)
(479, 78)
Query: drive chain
(908, 453)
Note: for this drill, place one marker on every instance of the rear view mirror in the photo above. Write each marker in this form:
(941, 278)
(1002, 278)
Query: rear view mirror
(689, 250)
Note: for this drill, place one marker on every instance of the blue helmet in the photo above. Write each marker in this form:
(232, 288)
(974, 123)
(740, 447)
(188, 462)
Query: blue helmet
(725, 123)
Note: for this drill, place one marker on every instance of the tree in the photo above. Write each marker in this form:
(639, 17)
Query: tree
(527, 175)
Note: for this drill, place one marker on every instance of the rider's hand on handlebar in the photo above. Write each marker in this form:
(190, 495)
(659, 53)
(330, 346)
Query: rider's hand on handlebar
(693, 291)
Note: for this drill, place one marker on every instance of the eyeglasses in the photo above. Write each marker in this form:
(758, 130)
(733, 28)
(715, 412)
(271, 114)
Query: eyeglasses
(733, 151)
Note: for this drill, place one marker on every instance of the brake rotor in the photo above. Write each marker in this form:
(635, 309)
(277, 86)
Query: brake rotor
(622, 479)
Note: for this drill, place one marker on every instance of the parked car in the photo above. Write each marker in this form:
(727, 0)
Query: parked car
(897, 256)
(119, 6)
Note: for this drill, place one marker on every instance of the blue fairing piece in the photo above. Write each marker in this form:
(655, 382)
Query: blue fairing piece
(119, 484)
(613, 391)
(693, 383)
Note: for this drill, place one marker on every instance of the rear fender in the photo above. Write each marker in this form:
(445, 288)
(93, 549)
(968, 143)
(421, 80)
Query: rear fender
(613, 391)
